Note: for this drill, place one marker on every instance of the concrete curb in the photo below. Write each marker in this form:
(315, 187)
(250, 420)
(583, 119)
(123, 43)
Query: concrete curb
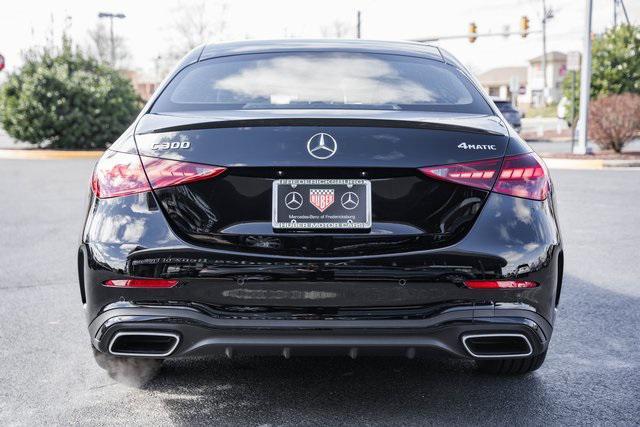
(556, 163)
(34, 154)
(552, 162)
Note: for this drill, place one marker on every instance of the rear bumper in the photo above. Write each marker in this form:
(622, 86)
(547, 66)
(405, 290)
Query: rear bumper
(202, 334)
(512, 239)
(399, 303)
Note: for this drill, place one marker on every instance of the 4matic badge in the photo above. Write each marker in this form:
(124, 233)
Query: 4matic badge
(466, 146)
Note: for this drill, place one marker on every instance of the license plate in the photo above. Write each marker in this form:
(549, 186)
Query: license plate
(308, 204)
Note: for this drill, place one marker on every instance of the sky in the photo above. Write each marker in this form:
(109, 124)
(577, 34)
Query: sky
(149, 28)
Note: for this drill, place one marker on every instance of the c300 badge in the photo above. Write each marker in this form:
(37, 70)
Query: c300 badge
(172, 145)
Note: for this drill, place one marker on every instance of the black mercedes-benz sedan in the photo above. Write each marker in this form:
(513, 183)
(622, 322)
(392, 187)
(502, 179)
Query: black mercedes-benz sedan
(320, 197)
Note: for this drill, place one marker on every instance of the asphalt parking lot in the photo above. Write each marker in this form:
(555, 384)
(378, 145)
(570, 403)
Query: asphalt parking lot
(48, 376)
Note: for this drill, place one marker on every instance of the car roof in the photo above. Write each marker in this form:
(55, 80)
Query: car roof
(214, 50)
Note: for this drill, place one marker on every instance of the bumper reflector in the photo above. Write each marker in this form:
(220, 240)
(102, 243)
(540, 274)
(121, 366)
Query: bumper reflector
(140, 283)
(500, 284)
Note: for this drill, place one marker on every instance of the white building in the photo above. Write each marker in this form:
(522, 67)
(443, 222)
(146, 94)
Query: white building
(556, 72)
(498, 81)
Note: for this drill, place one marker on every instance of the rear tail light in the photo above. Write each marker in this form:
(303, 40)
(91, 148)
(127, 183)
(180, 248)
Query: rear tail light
(165, 173)
(140, 283)
(480, 174)
(500, 284)
(118, 174)
(521, 176)
(121, 174)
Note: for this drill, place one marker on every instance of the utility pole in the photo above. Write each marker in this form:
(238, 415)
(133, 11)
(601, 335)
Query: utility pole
(358, 28)
(585, 83)
(111, 16)
(547, 14)
(544, 53)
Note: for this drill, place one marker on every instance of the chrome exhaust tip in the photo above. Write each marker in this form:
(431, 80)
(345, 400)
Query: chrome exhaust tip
(143, 344)
(500, 345)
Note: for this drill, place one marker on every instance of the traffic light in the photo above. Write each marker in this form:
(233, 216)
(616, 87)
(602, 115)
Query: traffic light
(524, 26)
(473, 30)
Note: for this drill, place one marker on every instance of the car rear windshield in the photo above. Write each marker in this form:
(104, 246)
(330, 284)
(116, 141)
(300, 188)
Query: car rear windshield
(321, 80)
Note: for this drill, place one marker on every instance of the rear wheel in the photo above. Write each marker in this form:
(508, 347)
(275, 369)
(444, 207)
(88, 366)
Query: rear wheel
(133, 371)
(517, 366)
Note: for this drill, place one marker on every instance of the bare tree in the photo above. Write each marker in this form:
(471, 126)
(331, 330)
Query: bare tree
(198, 22)
(338, 29)
(100, 46)
(195, 22)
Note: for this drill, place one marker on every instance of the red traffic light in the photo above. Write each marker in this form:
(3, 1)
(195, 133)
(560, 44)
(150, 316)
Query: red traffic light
(1, 62)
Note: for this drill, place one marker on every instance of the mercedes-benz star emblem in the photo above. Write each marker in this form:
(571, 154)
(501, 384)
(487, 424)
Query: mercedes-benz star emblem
(293, 200)
(322, 146)
(350, 200)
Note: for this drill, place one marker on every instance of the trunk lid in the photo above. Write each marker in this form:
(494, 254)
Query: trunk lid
(279, 138)
(409, 210)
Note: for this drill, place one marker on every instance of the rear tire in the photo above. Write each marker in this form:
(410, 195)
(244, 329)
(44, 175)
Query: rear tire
(519, 366)
(132, 371)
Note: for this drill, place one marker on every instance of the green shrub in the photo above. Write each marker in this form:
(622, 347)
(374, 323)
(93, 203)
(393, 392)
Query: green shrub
(66, 100)
(615, 67)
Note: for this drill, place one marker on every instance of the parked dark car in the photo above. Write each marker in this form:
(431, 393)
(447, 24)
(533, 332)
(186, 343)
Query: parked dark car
(311, 197)
(510, 113)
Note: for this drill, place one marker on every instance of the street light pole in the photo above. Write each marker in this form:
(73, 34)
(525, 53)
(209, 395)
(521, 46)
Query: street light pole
(544, 53)
(113, 43)
(112, 38)
(585, 83)
(547, 14)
